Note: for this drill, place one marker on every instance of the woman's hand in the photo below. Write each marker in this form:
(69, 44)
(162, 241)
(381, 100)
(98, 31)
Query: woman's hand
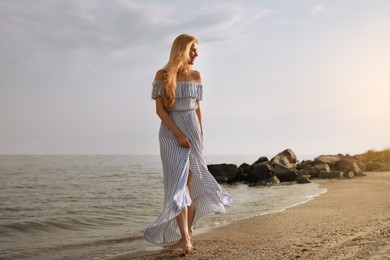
(183, 141)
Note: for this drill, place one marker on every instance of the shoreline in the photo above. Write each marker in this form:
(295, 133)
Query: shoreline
(351, 220)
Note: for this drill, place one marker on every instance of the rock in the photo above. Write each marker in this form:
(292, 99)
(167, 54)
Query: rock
(224, 172)
(349, 174)
(243, 172)
(327, 159)
(286, 158)
(305, 172)
(322, 167)
(344, 163)
(325, 175)
(362, 165)
(269, 181)
(260, 171)
(221, 179)
(353, 168)
(309, 167)
(285, 174)
(348, 165)
(244, 167)
(337, 174)
(302, 179)
(331, 174)
(308, 172)
(261, 160)
(305, 164)
(360, 174)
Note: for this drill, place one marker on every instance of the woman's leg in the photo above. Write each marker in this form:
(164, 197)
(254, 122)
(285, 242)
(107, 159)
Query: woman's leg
(184, 221)
(191, 209)
(184, 244)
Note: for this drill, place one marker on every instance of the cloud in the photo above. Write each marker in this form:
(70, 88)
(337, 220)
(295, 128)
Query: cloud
(56, 30)
(72, 25)
(221, 21)
(318, 9)
(71, 37)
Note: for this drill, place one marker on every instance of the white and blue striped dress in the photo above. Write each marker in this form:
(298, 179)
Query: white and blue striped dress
(207, 194)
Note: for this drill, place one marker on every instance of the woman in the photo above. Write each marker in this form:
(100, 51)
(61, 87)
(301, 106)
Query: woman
(190, 190)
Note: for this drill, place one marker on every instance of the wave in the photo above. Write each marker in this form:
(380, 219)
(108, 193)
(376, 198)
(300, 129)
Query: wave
(53, 225)
(98, 243)
(53, 250)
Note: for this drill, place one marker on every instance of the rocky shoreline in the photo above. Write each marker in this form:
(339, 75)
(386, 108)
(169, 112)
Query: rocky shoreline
(285, 167)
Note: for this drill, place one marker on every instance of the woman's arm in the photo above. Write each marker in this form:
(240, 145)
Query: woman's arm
(197, 77)
(164, 116)
(199, 114)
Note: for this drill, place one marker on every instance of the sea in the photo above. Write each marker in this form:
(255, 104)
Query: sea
(98, 206)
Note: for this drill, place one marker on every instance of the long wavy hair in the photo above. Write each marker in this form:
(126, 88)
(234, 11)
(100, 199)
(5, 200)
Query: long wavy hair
(178, 61)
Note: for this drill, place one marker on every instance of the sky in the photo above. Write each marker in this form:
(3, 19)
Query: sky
(312, 76)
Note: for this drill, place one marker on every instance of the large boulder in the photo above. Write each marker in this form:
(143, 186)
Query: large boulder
(308, 172)
(322, 167)
(244, 167)
(309, 167)
(348, 165)
(343, 163)
(285, 174)
(286, 158)
(354, 168)
(224, 172)
(327, 159)
(304, 164)
(244, 171)
(362, 165)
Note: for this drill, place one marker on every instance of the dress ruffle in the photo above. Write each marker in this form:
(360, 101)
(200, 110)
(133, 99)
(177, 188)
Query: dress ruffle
(184, 89)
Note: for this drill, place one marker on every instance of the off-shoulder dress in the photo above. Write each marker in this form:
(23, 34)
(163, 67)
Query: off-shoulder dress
(207, 194)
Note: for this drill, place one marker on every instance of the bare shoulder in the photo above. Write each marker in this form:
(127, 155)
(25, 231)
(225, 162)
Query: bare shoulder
(160, 75)
(196, 76)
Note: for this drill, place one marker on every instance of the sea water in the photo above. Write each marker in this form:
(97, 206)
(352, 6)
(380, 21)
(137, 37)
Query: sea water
(94, 206)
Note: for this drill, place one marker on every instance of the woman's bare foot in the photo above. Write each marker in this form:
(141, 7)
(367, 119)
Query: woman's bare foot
(187, 249)
(181, 246)
(177, 247)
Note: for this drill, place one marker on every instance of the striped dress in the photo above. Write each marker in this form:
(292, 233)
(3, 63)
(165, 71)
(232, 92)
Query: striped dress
(207, 194)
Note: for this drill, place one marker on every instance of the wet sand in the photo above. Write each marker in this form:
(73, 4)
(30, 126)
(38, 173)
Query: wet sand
(350, 221)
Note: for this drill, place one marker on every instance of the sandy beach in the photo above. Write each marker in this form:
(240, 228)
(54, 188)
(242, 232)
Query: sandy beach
(350, 221)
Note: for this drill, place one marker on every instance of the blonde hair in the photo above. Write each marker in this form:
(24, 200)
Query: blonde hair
(178, 60)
